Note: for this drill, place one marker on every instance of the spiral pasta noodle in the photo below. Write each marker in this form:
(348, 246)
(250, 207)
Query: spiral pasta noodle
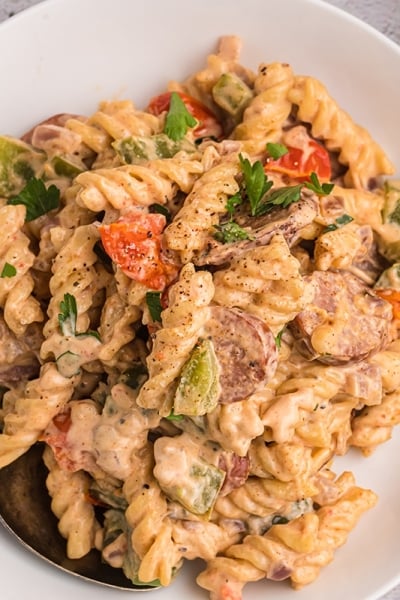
(43, 398)
(363, 156)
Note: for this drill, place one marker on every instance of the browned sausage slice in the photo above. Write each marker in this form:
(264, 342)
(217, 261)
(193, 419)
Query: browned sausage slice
(58, 120)
(246, 352)
(344, 322)
(287, 221)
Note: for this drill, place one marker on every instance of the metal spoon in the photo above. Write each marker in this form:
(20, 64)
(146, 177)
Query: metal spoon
(25, 512)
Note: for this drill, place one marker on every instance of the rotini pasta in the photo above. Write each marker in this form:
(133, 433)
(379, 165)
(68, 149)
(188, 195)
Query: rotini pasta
(198, 315)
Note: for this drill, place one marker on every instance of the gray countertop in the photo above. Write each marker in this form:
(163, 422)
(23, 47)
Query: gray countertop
(383, 15)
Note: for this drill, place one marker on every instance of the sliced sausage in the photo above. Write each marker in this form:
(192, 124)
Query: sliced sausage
(19, 356)
(344, 322)
(289, 222)
(237, 470)
(57, 120)
(246, 352)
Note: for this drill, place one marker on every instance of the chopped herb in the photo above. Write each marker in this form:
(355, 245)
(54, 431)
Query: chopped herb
(279, 520)
(278, 339)
(94, 334)
(178, 118)
(232, 203)
(37, 199)
(67, 316)
(339, 222)
(8, 270)
(276, 150)
(256, 183)
(103, 256)
(230, 232)
(153, 301)
(320, 189)
(161, 210)
(173, 417)
(283, 197)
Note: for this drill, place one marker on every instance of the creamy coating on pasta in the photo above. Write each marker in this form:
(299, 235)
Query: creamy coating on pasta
(199, 310)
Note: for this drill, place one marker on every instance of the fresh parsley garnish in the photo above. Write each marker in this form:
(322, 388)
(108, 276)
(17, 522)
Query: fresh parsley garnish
(102, 255)
(178, 118)
(37, 199)
(339, 222)
(320, 189)
(68, 316)
(278, 339)
(276, 150)
(232, 203)
(8, 270)
(230, 232)
(153, 301)
(283, 196)
(161, 210)
(256, 183)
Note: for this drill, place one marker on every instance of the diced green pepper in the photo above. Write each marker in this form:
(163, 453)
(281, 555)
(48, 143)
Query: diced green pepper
(198, 388)
(136, 149)
(19, 162)
(391, 207)
(390, 278)
(108, 495)
(200, 487)
(65, 167)
(68, 364)
(232, 94)
(116, 526)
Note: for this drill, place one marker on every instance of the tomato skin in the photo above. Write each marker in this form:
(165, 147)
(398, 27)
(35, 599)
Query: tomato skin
(208, 123)
(134, 244)
(299, 163)
(393, 297)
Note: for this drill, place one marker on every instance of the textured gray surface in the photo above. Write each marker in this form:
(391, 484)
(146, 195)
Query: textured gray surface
(383, 15)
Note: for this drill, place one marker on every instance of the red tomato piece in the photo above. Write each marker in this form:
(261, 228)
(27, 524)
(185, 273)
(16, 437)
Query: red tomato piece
(299, 163)
(392, 296)
(55, 436)
(208, 124)
(134, 244)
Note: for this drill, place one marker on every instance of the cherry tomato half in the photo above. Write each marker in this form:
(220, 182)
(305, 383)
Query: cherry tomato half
(134, 244)
(299, 163)
(208, 124)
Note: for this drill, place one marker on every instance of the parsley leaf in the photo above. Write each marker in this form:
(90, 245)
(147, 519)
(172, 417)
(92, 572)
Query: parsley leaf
(161, 210)
(37, 199)
(283, 197)
(67, 316)
(8, 270)
(230, 232)
(232, 203)
(276, 150)
(339, 222)
(153, 301)
(278, 339)
(256, 183)
(320, 189)
(178, 118)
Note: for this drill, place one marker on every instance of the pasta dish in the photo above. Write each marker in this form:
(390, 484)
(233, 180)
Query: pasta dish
(199, 310)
